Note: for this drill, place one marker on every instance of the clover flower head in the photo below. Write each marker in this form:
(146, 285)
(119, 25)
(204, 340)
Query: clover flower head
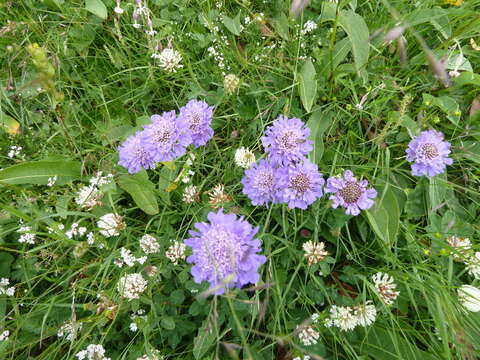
(260, 183)
(224, 252)
(350, 193)
(197, 114)
(286, 141)
(167, 137)
(301, 184)
(429, 153)
(134, 156)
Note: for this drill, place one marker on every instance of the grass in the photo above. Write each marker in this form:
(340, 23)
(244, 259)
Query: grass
(99, 85)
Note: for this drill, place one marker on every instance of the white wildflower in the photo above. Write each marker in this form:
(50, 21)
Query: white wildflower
(473, 265)
(27, 236)
(469, 297)
(244, 157)
(14, 151)
(75, 231)
(155, 355)
(90, 238)
(307, 335)
(110, 224)
(231, 83)
(342, 317)
(385, 287)
(314, 251)
(133, 327)
(365, 314)
(308, 27)
(88, 197)
(51, 181)
(93, 352)
(460, 247)
(190, 194)
(100, 180)
(131, 286)
(218, 196)
(176, 252)
(5, 289)
(169, 60)
(149, 244)
(69, 330)
(118, 10)
(4, 335)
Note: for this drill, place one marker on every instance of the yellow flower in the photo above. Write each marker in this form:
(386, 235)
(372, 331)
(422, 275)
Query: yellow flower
(453, 2)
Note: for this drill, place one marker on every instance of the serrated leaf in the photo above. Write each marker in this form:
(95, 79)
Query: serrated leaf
(233, 25)
(307, 85)
(384, 216)
(38, 172)
(9, 124)
(96, 7)
(142, 190)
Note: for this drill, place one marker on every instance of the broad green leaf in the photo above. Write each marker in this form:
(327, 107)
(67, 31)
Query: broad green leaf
(445, 103)
(167, 322)
(96, 7)
(9, 124)
(307, 85)
(384, 216)
(38, 172)
(281, 26)
(357, 32)
(142, 191)
(233, 25)
(203, 341)
(437, 191)
(318, 123)
(54, 4)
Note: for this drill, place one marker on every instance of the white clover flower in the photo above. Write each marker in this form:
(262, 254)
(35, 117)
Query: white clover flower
(218, 196)
(314, 251)
(473, 265)
(27, 236)
(342, 317)
(365, 314)
(190, 194)
(460, 246)
(93, 352)
(131, 286)
(14, 151)
(88, 197)
(169, 60)
(176, 252)
(133, 327)
(149, 244)
(308, 27)
(5, 289)
(4, 335)
(385, 287)
(469, 297)
(244, 157)
(69, 330)
(127, 258)
(51, 181)
(307, 335)
(110, 224)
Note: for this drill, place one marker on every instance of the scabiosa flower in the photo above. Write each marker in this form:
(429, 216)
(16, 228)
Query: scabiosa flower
(314, 251)
(225, 250)
(350, 193)
(261, 183)
(134, 156)
(244, 157)
(385, 287)
(131, 286)
(301, 184)
(167, 137)
(429, 153)
(365, 313)
(197, 114)
(286, 140)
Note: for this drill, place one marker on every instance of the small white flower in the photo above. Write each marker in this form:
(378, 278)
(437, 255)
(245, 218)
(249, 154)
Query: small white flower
(14, 151)
(342, 317)
(454, 73)
(155, 355)
(244, 157)
(27, 236)
(131, 286)
(149, 244)
(5, 289)
(110, 225)
(4, 335)
(118, 10)
(460, 247)
(469, 297)
(308, 27)
(170, 60)
(314, 251)
(88, 197)
(385, 287)
(90, 238)
(133, 327)
(473, 265)
(365, 313)
(93, 352)
(100, 180)
(176, 252)
(69, 330)
(136, 26)
(51, 181)
(190, 194)
(307, 335)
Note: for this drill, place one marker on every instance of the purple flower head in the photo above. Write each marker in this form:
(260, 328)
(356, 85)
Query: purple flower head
(198, 116)
(429, 153)
(286, 141)
(301, 184)
(134, 156)
(350, 193)
(260, 183)
(224, 252)
(167, 137)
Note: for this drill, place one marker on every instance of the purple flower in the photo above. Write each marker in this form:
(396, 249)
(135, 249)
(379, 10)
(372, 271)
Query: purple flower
(134, 156)
(167, 137)
(198, 116)
(224, 252)
(350, 193)
(429, 153)
(260, 183)
(286, 141)
(301, 184)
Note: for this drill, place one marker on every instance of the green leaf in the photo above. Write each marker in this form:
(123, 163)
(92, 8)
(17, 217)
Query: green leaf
(445, 103)
(96, 7)
(167, 322)
(437, 190)
(384, 216)
(203, 341)
(470, 151)
(318, 123)
(54, 4)
(233, 25)
(281, 26)
(357, 32)
(38, 172)
(142, 191)
(307, 85)
(9, 124)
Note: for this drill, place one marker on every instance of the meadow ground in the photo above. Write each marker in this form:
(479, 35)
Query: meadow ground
(97, 262)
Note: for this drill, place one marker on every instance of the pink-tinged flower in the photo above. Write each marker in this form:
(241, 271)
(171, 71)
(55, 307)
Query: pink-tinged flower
(429, 153)
(198, 115)
(286, 141)
(134, 156)
(350, 193)
(167, 137)
(261, 183)
(224, 252)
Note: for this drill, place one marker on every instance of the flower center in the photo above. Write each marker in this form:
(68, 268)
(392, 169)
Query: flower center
(265, 181)
(289, 140)
(220, 253)
(351, 192)
(162, 135)
(195, 121)
(429, 150)
(300, 183)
